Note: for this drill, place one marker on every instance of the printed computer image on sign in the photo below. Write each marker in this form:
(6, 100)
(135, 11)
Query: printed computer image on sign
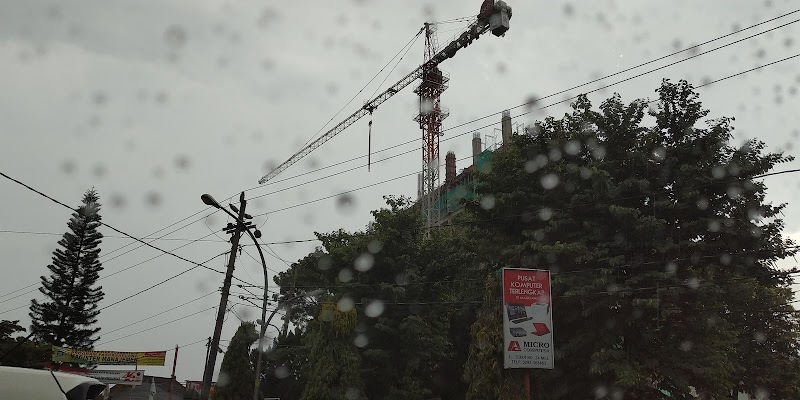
(527, 319)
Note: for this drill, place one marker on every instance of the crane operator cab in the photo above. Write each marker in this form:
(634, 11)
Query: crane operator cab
(497, 14)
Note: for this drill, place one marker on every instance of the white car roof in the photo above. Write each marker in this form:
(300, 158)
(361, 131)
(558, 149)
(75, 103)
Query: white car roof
(26, 383)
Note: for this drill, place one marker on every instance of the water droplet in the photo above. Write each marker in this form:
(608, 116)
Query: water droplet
(488, 202)
(659, 153)
(182, 162)
(725, 259)
(162, 97)
(693, 283)
(600, 392)
(352, 393)
(702, 204)
(401, 279)
(502, 68)
(734, 192)
(599, 152)
(100, 98)
(545, 214)
(687, 345)
(718, 172)
(345, 304)
(117, 201)
(569, 10)
(586, 173)
(324, 262)
(374, 309)
(375, 246)
(68, 166)
(175, 36)
(281, 372)
(346, 203)
(531, 102)
(153, 199)
(345, 275)
(99, 170)
(364, 262)
(713, 226)
(672, 267)
(554, 155)
(760, 336)
(223, 379)
(549, 181)
(572, 147)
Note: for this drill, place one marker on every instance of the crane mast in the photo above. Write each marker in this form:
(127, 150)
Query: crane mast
(494, 17)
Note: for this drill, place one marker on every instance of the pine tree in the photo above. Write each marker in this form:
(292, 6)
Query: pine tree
(236, 374)
(67, 316)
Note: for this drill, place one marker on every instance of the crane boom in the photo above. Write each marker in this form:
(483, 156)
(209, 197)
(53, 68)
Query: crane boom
(497, 22)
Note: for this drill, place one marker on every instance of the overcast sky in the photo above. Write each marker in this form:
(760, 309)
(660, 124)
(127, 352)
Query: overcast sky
(156, 102)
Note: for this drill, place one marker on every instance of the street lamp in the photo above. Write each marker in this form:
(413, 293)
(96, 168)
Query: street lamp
(210, 201)
(264, 325)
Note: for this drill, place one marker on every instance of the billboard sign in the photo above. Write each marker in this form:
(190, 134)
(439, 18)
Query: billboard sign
(67, 355)
(527, 319)
(109, 377)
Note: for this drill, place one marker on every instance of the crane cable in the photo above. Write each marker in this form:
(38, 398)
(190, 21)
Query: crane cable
(407, 45)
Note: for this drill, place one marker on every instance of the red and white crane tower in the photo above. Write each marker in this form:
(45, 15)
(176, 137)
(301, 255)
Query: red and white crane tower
(494, 17)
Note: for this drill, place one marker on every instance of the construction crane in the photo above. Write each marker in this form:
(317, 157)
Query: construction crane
(493, 17)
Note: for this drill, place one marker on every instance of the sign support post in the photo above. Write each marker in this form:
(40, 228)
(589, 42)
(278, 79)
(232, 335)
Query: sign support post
(527, 384)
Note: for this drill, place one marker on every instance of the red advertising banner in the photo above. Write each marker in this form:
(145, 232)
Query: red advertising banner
(527, 319)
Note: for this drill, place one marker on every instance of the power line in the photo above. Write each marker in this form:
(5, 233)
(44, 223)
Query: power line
(554, 94)
(551, 95)
(21, 232)
(161, 313)
(596, 80)
(157, 326)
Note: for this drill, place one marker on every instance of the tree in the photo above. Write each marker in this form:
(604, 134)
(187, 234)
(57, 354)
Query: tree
(662, 249)
(394, 323)
(236, 375)
(27, 354)
(67, 317)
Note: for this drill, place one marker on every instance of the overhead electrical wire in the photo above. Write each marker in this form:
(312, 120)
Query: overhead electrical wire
(528, 103)
(407, 175)
(566, 90)
(157, 326)
(160, 313)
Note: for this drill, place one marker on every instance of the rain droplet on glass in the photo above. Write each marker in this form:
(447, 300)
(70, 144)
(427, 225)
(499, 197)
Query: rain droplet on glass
(364, 262)
(345, 275)
(345, 304)
(374, 309)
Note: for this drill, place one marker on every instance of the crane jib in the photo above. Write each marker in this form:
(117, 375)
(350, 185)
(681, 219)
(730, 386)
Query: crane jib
(496, 22)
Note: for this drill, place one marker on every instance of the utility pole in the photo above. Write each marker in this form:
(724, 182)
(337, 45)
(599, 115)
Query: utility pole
(236, 231)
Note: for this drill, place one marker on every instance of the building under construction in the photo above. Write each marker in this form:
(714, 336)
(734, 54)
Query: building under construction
(459, 186)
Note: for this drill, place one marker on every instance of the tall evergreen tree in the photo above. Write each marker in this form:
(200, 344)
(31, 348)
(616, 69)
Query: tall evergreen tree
(236, 374)
(67, 316)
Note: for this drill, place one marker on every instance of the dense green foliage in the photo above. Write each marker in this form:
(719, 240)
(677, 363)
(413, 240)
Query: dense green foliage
(67, 316)
(662, 249)
(236, 374)
(27, 354)
(661, 246)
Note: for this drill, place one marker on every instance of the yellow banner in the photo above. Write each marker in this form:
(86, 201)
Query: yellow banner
(67, 355)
